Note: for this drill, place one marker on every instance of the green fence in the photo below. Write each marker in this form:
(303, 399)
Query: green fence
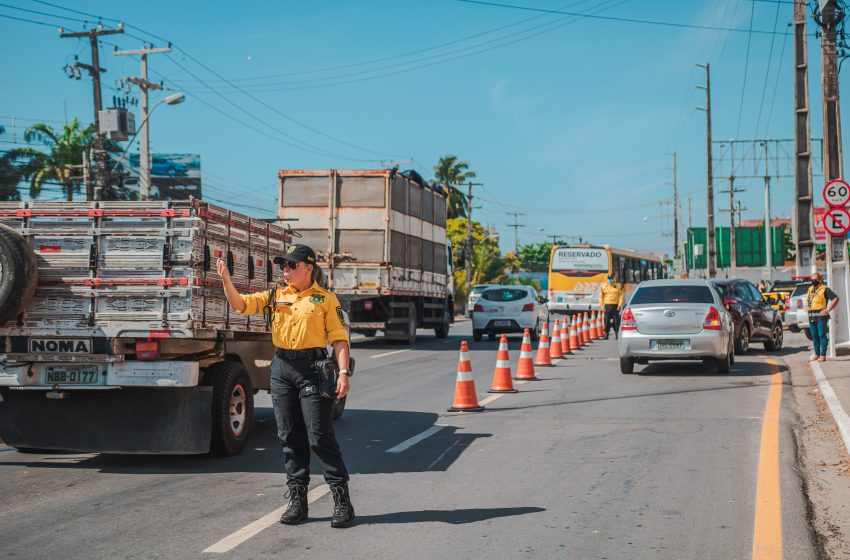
(749, 246)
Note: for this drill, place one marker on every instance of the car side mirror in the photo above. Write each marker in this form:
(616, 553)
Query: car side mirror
(542, 299)
(728, 303)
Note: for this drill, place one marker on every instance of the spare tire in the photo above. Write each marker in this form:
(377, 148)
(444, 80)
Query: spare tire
(18, 273)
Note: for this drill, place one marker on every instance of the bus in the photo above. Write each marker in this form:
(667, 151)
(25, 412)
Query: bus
(577, 273)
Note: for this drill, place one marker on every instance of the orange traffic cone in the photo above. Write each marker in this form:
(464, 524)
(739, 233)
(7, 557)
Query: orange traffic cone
(566, 347)
(543, 358)
(594, 331)
(466, 399)
(585, 329)
(600, 323)
(525, 367)
(502, 374)
(555, 351)
(574, 334)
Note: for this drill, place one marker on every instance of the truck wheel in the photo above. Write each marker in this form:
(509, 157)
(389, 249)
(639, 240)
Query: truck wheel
(339, 408)
(443, 330)
(232, 407)
(18, 273)
(370, 333)
(411, 328)
(477, 335)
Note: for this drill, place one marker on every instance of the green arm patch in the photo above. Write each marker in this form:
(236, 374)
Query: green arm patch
(317, 298)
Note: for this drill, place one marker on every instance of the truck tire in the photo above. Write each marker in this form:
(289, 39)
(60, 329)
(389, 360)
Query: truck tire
(18, 273)
(443, 330)
(232, 407)
(411, 328)
(339, 408)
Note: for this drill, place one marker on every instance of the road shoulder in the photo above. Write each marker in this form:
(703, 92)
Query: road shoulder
(821, 457)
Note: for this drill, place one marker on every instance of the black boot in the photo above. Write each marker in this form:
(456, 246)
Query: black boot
(343, 510)
(297, 510)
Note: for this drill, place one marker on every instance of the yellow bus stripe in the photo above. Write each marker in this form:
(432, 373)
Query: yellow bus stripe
(767, 537)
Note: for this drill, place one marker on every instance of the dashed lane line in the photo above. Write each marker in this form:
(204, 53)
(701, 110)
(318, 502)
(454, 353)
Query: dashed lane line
(838, 412)
(391, 353)
(410, 442)
(233, 540)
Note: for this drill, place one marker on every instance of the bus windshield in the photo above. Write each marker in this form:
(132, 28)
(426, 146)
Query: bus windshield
(580, 261)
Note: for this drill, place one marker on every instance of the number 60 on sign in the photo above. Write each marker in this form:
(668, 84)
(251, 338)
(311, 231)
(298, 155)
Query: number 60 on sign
(836, 193)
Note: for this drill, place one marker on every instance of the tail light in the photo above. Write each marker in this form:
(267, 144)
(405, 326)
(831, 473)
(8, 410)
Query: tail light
(787, 298)
(528, 307)
(628, 322)
(799, 304)
(147, 349)
(712, 320)
(728, 303)
(551, 294)
(478, 307)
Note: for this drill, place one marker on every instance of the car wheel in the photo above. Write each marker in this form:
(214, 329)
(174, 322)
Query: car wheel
(776, 339)
(535, 332)
(477, 335)
(743, 342)
(794, 328)
(724, 364)
(491, 336)
(627, 365)
(808, 333)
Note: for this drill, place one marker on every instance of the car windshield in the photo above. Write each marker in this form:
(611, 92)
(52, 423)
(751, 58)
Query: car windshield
(801, 289)
(479, 289)
(672, 294)
(504, 294)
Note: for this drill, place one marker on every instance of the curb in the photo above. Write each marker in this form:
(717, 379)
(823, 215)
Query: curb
(842, 420)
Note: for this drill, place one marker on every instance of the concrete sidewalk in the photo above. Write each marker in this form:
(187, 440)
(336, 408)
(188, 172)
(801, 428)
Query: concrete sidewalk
(821, 393)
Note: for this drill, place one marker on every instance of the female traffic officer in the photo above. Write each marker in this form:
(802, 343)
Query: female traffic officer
(305, 318)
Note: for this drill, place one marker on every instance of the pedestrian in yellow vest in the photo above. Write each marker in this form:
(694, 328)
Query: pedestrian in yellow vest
(611, 302)
(820, 301)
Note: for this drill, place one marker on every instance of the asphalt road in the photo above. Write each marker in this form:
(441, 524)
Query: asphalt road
(586, 463)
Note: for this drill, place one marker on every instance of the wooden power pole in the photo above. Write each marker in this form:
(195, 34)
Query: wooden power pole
(804, 233)
(710, 251)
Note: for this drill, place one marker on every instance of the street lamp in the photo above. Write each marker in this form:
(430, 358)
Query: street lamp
(144, 145)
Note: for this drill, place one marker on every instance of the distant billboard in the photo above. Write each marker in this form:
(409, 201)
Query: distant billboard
(173, 177)
(820, 231)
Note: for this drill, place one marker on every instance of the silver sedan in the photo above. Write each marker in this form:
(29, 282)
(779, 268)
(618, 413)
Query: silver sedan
(676, 320)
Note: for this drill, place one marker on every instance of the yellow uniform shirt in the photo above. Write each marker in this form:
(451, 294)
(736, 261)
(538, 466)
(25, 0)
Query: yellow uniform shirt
(610, 295)
(307, 319)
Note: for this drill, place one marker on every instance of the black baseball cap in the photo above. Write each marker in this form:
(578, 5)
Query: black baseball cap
(297, 253)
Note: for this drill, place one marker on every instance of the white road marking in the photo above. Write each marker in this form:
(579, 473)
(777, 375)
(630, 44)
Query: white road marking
(233, 540)
(443, 454)
(391, 353)
(408, 443)
(838, 412)
(491, 398)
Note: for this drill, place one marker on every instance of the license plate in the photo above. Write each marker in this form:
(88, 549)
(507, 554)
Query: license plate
(72, 375)
(501, 323)
(669, 344)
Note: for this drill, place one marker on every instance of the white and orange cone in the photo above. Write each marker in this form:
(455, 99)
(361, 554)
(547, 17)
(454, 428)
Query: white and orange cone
(502, 374)
(555, 351)
(466, 399)
(525, 367)
(600, 325)
(585, 329)
(543, 358)
(574, 342)
(566, 347)
(594, 332)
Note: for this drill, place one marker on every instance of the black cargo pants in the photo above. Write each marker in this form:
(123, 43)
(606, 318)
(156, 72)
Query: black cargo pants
(612, 317)
(304, 422)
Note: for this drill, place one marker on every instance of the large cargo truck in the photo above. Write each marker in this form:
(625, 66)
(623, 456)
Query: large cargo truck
(381, 237)
(116, 335)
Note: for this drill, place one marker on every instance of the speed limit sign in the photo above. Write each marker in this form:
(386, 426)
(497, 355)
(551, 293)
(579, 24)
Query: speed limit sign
(837, 221)
(836, 193)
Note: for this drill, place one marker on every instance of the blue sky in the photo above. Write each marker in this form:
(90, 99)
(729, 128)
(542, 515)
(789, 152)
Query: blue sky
(569, 120)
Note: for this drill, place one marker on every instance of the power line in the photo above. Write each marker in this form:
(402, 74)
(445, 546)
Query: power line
(53, 25)
(767, 70)
(746, 69)
(620, 19)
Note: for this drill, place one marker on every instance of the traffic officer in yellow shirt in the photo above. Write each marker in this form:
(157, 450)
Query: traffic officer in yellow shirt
(611, 302)
(304, 319)
(820, 301)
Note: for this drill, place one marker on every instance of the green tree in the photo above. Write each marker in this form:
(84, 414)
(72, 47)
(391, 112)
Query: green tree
(451, 172)
(487, 264)
(535, 255)
(10, 176)
(63, 161)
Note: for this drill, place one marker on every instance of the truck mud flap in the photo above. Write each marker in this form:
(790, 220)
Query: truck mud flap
(132, 420)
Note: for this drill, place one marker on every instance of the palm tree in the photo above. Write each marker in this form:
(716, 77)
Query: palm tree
(450, 172)
(10, 176)
(64, 162)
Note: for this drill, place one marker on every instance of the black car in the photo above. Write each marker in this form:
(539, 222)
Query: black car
(755, 320)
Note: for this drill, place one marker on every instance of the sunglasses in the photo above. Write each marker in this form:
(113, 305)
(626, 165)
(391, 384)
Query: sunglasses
(290, 265)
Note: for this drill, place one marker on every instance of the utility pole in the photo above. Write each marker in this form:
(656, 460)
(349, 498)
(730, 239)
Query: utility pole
(690, 235)
(829, 16)
(768, 230)
(144, 139)
(804, 232)
(468, 251)
(711, 249)
(94, 69)
(732, 211)
(516, 227)
(676, 254)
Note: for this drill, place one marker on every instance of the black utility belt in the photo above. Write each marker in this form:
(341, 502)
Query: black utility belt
(817, 316)
(305, 354)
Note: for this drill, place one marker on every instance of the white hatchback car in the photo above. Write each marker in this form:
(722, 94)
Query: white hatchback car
(508, 309)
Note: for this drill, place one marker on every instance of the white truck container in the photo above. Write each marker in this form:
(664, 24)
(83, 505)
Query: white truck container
(380, 236)
(116, 334)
